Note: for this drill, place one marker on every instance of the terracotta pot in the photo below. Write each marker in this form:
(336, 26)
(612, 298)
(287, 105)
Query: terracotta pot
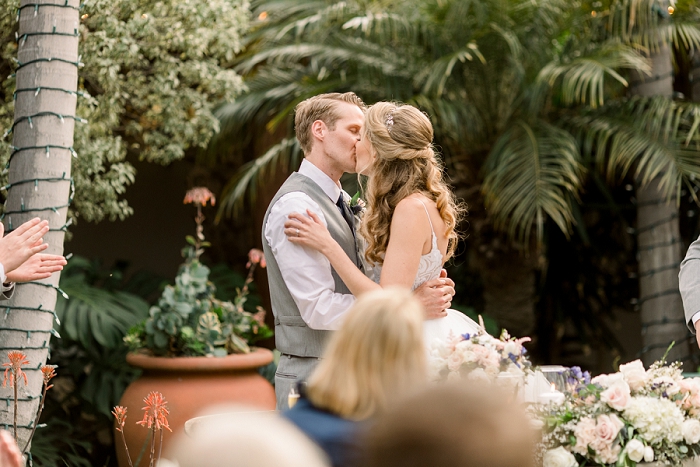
(190, 385)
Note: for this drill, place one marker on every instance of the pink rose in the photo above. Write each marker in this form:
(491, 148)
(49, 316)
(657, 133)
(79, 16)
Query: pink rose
(607, 429)
(585, 435)
(609, 455)
(617, 395)
(455, 360)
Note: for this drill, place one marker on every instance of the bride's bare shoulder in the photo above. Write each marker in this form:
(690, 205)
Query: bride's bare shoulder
(411, 205)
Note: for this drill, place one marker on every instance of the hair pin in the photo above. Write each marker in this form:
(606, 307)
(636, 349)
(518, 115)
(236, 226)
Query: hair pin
(389, 122)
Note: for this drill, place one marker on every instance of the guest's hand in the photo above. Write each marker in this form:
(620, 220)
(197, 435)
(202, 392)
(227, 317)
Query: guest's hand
(436, 296)
(9, 452)
(23, 242)
(39, 266)
(309, 231)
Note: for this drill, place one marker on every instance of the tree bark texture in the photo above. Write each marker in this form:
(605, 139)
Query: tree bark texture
(39, 181)
(659, 242)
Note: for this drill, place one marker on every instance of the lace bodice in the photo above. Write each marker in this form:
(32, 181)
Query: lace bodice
(429, 266)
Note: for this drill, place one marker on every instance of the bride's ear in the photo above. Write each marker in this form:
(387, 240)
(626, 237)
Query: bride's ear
(319, 130)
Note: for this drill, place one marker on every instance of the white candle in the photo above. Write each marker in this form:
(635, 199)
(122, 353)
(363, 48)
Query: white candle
(555, 397)
(551, 397)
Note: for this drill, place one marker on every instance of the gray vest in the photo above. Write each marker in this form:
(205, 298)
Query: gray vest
(292, 335)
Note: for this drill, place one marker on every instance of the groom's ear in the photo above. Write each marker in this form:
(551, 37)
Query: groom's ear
(319, 130)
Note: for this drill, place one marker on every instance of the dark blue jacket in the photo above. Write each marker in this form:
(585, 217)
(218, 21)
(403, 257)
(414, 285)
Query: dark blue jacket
(337, 436)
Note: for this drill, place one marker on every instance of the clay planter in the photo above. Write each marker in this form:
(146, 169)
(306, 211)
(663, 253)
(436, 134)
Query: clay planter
(190, 385)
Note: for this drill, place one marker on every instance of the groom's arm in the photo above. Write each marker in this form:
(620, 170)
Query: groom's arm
(306, 272)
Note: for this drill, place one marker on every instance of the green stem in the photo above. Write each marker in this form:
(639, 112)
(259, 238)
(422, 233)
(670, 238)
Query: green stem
(153, 448)
(143, 451)
(14, 376)
(126, 448)
(36, 420)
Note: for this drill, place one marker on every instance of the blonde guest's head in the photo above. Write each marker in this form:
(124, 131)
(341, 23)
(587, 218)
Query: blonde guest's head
(404, 162)
(376, 356)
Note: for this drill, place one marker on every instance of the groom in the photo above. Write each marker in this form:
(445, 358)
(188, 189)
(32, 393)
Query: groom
(308, 298)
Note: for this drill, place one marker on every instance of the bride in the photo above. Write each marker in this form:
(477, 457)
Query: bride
(409, 225)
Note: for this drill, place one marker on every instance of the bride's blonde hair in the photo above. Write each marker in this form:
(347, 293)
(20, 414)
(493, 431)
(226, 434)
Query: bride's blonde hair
(401, 137)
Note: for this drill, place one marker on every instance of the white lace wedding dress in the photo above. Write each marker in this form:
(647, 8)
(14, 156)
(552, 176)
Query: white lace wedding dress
(455, 322)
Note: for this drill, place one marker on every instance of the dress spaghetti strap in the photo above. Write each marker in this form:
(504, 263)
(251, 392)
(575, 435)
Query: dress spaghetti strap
(428, 214)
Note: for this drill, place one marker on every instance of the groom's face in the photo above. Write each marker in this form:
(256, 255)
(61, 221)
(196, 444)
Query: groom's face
(339, 143)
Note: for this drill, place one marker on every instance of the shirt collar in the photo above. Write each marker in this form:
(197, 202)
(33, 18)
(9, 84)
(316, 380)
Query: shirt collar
(329, 187)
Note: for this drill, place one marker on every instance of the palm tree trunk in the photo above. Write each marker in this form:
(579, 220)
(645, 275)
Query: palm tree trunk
(39, 177)
(658, 243)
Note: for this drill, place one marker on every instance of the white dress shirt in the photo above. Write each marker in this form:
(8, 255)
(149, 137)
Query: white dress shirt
(306, 272)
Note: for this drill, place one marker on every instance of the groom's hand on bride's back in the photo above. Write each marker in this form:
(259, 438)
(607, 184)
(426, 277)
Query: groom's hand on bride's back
(436, 295)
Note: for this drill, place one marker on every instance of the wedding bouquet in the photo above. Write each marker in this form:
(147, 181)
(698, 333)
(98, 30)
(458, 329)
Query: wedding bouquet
(479, 357)
(623, 418)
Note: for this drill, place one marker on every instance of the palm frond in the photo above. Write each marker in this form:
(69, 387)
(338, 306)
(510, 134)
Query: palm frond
(440, 71)
(532, 174)
(583, 79)
(245, 183)
(655, 137)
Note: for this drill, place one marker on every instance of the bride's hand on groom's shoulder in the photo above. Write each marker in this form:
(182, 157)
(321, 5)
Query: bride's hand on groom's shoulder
(308, 230)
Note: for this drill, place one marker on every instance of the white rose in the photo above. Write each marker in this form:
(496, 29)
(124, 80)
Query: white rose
(635, 450)
(691, 431)
(617, 395)
(608, 380)
(648, 454)
(635, 374)
(559, 457)
(478, 375)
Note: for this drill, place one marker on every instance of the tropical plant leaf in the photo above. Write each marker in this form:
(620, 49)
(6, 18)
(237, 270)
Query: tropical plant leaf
(583, 78)
(531, 174)
(245, 182)
(652, 136)
(92, 314)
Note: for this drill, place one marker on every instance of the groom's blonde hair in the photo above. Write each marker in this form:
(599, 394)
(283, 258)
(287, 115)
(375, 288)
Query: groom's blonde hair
(323, 107)
(377, 356)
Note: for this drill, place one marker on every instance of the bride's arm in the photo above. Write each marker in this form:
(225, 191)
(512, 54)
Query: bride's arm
(409, 232)
(313, 233)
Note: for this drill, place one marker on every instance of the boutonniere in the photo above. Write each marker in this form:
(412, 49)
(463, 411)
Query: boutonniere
(357, 204)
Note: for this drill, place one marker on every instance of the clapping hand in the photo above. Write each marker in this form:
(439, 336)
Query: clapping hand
(22, 243)
(39, 266)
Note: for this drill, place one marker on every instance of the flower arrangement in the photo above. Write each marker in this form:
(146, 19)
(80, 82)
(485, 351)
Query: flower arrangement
(479, 356)
(188, 320)
(623, 418)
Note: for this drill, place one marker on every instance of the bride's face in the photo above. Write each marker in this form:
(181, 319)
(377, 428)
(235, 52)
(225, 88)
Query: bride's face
(364, 156)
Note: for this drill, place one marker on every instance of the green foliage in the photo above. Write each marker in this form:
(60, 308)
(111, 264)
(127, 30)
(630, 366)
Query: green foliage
(94, 321)
(189, 320)
(57, 444)
(498, 77)
(153, 73)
